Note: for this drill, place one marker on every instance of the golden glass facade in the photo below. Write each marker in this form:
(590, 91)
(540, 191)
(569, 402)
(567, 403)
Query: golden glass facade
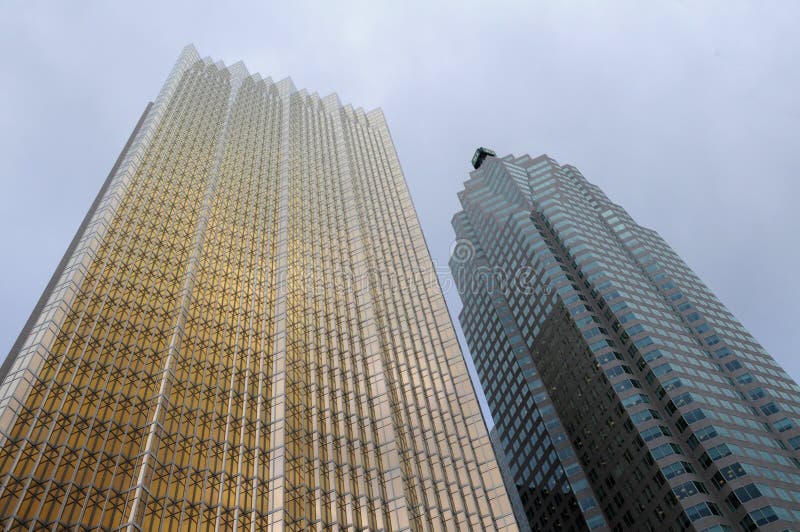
(246, 333)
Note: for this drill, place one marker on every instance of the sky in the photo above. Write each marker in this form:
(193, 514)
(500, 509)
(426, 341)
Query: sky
(685, 113)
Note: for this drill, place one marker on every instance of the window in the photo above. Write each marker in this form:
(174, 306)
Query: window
(643, 342)
(730, 472)
(596, 522)
(687, 489)
(722, 352)
(677, 469)
(704, 509)
(715, 453)
(644, 415)
(665, 450)
(628, 518)
(608, 357)
(681, 400)
(655, 432)
(617, 371)
(733, 365)
(765, 515)
(695, 415)
(626, 384)
(706, 433)
(662, 369)
(783, 425)
(743, 494)
(635, 399)
(756, 393)
(619, 500)
(673, 383)
(769, 409)
(655, 354)
(635, 329)
(587, 503)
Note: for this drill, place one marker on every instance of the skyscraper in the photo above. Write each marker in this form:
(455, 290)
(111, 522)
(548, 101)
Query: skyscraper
(246, 333)
(625, 395)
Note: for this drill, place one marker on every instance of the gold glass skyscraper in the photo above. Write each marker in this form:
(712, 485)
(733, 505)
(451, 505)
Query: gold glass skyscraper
(246, 333)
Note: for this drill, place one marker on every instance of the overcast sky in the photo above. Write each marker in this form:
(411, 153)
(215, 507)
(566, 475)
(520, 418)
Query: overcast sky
(685, 113)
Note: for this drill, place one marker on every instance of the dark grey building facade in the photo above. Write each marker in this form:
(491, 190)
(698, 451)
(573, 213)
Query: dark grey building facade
(625, 395)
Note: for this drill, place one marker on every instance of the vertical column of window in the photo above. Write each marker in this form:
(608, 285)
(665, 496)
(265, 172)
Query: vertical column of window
(278, 466)
(376, 449)
(335, 339)
(299, 445)
(144, 506)
(370, 366)
(265, 296)
(346, 322)
(229, 271)
(396, 251)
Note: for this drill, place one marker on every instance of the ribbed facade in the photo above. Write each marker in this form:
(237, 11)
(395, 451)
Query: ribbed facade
(625, 395)
(246, 334)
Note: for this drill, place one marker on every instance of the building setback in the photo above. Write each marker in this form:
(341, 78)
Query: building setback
(625, 395)
(244, 334)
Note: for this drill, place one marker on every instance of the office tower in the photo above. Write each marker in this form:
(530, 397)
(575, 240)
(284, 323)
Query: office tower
(625, 395)
(508, 480)
(246, 334)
